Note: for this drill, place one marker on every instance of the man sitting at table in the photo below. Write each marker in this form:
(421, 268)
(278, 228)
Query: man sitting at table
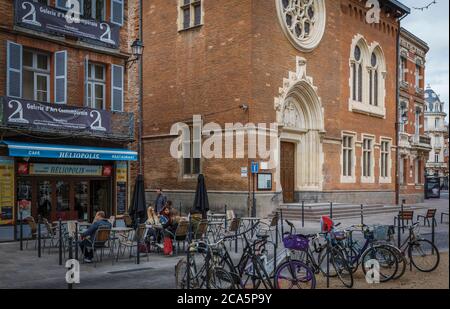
(99, 221)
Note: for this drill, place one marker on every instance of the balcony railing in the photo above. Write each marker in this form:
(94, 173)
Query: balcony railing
(421, 141)
(22, 116)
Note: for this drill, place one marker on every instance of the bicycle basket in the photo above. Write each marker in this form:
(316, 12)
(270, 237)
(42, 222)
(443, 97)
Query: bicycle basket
(378, 233)
(296, 242)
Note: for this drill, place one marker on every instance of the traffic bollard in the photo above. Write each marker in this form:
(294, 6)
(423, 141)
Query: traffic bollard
(399, 237)
(303, 213)
(433, 235)
(282, 222)
(60, 241)
(331, 210)
(39, 236)
(138, 252)
(76, 240)
(21, 231)
(226, 217)
(70, 285)
(328, 265)
(362, 214)
(188, 258)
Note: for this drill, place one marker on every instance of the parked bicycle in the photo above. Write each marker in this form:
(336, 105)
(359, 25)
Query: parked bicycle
(362, 252)
(324, 256)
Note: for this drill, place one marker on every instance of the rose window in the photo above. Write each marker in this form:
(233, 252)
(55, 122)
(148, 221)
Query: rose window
(303, 21)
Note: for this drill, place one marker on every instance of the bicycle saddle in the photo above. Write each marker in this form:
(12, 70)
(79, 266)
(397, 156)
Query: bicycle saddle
(262, 237)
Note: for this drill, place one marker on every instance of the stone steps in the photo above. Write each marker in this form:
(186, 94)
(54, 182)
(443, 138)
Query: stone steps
(314, 212)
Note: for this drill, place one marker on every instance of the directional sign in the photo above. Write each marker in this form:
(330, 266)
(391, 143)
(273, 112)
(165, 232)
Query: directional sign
(255, 167)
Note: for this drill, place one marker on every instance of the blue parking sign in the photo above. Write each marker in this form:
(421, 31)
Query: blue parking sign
(255, 167)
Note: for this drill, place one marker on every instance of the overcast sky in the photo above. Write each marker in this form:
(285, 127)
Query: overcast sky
(432, 25)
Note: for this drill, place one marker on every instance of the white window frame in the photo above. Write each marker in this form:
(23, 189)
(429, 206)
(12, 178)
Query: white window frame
(193, 140)
(37, 72)
(388, 152)
(117, 88)
(92, 82)
(348, 178)
(192, 4)
(364, 107)
(371, 168)
(66, 9)
(94, 8)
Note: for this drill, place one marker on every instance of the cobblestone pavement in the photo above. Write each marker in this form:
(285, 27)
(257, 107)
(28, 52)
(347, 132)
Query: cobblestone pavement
(25, 270)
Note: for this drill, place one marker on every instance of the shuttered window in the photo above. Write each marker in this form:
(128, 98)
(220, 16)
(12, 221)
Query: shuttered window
(117, 12)
(61, 77)
(14, 70)
(117, 88)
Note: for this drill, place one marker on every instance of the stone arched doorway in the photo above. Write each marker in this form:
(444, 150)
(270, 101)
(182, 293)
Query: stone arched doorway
(301, 125)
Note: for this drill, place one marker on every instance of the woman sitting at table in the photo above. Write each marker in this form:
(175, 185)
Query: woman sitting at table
(153, 218)
(166, 219)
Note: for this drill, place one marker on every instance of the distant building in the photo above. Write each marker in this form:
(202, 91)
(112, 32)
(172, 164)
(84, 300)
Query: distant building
(414, 145)
(437, 130)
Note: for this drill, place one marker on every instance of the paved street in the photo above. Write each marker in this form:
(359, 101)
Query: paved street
(25, 270)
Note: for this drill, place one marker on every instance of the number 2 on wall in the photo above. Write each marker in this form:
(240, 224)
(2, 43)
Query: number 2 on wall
(18, 112)
(106, 36)
(30, 17)
(97, 124)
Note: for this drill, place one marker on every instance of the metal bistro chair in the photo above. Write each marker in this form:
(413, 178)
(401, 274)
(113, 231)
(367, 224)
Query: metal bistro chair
(233, 229)
(51, 235)
(180, 235)
(406, 215)
(202, 229)
(268, 227)
(100, 242)
(130, 241)
(431, 214)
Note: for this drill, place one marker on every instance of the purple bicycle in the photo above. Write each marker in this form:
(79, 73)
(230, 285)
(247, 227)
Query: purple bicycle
(293, 273)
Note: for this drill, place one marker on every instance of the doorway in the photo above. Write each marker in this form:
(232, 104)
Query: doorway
(287, 171)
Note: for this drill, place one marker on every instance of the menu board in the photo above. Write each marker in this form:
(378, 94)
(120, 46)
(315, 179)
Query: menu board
(121, 190)
(121, 187)
(6, 191)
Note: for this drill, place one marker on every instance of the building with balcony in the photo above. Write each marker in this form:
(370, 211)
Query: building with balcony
(414, 146)
(66, 109)
(437, 130)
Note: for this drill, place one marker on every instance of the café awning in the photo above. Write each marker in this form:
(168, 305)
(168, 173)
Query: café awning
(31, 150)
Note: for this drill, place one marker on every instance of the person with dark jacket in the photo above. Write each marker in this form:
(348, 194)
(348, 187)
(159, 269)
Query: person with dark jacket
(160, 201)
(100, 221)
(167, 220)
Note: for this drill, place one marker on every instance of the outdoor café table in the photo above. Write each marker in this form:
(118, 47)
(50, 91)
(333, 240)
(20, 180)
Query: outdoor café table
(249, 222)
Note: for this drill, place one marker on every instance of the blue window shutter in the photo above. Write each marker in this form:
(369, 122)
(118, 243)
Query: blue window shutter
(117, 88)
(14, 70)
(61, 77)
(61, 4)
(117, 12)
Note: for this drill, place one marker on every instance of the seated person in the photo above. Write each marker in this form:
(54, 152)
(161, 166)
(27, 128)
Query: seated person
(166, 219)
(87, 236)
(153, 218)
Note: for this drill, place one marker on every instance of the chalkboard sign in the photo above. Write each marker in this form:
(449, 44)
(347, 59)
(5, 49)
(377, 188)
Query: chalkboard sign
(121, 198)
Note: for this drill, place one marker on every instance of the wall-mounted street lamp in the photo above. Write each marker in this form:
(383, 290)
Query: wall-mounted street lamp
(137, 50)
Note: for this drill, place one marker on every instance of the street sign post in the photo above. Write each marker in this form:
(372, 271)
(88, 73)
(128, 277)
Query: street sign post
(255, 171)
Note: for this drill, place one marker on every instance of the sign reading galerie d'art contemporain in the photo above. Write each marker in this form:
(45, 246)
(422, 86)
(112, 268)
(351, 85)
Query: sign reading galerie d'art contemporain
(34, 15)
(52, 116)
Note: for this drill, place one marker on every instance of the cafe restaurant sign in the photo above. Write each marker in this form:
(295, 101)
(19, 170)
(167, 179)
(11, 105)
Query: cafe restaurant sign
(36, 16)
(67, 170)
(53, 116)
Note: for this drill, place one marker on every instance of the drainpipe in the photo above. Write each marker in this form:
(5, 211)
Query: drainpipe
(141, 91)
(397, 113)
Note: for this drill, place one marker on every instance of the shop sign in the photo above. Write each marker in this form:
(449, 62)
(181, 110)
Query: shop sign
(66, 170)
(6, 191)
(121, 172)
(36, 16)
(23, 113)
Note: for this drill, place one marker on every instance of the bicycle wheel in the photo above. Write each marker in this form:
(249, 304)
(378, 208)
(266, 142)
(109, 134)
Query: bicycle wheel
(294, 274)
(424, 255)
(402, 262)
(386, 259)
(220, 279)
(181, 276)
(342, 268)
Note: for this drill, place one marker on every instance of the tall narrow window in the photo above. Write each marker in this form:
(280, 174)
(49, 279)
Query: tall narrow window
(417, 124)
(347, 156)
(373, 80)
(190, 13)
(357, 68)
(36, 76)
(191, 164)
(403, 111)
(436, 157)
(417, 76)
(385, 159)
(96, 86)
(402, 171)
(403, 69)
(367, 157)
